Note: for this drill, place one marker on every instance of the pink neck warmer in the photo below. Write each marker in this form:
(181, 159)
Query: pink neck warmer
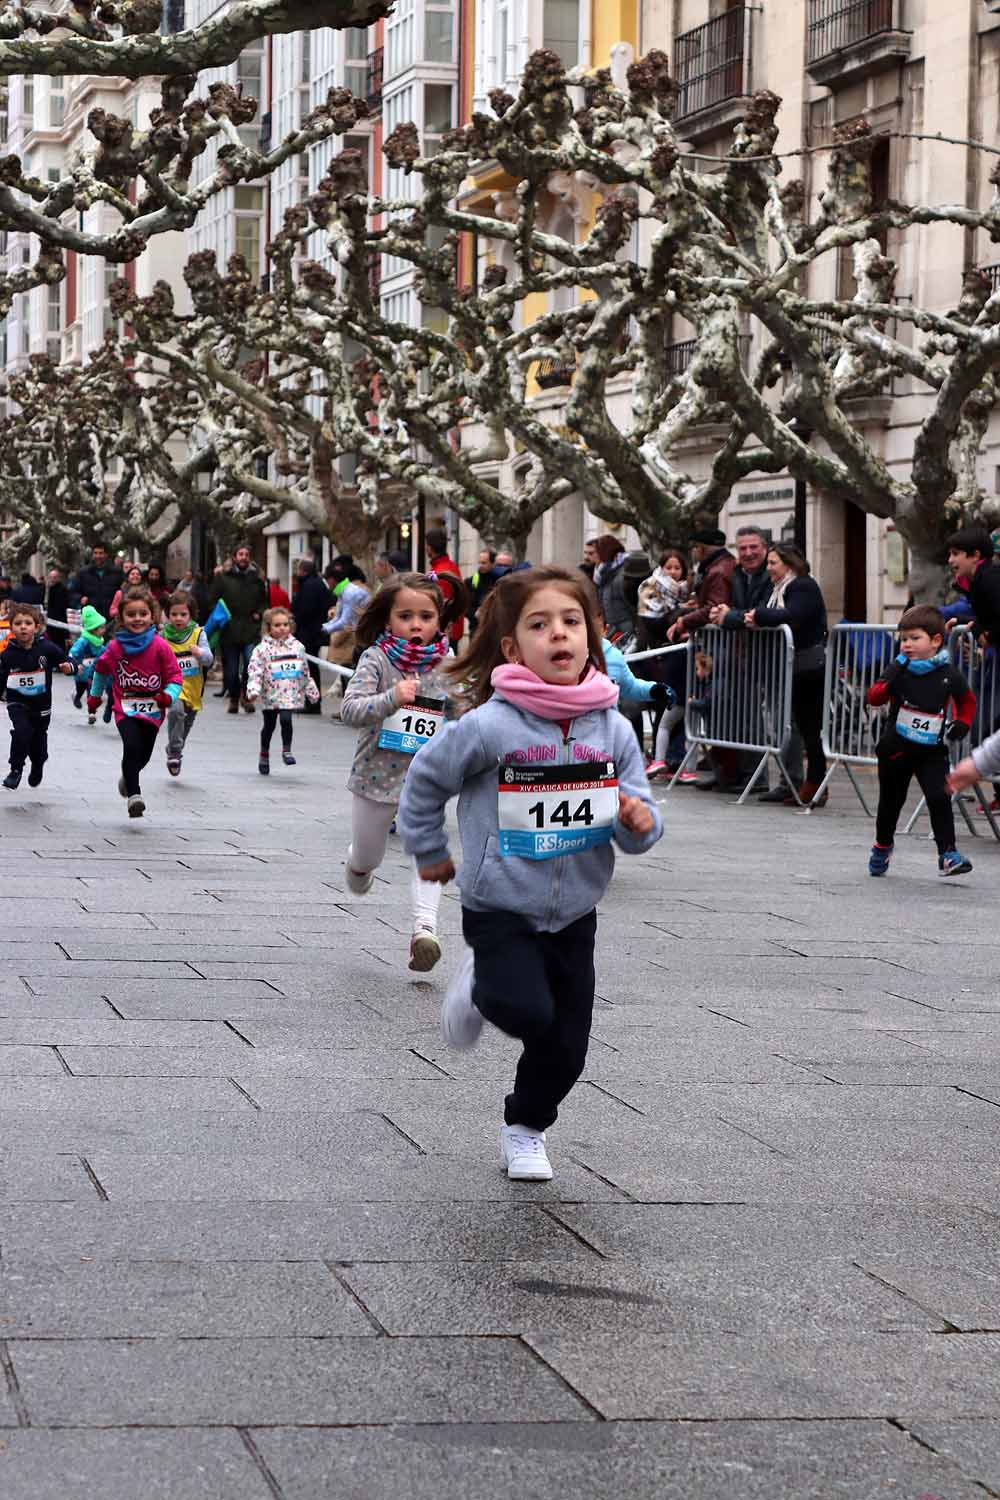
(553, 700)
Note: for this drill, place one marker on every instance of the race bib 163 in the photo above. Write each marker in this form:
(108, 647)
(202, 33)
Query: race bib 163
(554, 810)
(412, 726)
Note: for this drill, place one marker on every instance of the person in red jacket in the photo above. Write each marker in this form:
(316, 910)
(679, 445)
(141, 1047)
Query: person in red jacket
(444, 569)
(277, 597)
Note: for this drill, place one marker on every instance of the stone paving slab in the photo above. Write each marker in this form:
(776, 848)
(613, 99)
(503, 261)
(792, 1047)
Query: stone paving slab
(43, 1177)
(646, 1461)
(82, 1465)
(248, 1381)
(174, 1299)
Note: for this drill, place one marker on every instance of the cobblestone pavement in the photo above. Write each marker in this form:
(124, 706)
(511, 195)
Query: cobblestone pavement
(255, 1241)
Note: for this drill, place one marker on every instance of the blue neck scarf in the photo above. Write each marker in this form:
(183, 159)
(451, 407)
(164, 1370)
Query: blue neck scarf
(921, 668)
(132, 642)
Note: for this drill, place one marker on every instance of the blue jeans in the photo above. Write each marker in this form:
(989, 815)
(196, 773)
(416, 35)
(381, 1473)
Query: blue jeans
(235, 660)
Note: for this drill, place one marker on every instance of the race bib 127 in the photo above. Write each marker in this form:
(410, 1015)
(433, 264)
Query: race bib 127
(543, 812)
(412, 726)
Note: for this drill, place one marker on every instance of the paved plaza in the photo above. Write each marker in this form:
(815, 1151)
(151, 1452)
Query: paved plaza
(254, 1239)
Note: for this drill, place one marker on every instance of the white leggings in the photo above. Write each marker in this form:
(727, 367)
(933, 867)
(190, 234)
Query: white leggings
(370, 824)
(668, 721)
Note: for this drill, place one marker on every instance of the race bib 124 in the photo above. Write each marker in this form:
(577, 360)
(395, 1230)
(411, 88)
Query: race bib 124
(554, 810)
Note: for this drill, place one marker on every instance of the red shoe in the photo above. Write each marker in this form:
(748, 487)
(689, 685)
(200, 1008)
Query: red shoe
(689, 778)
(807, 792)
(655, 770)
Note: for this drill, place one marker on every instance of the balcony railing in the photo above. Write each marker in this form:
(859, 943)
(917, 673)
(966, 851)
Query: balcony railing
(552, 373)
(712, 62)
(836, 24)
(993, 272)
(373, 92)
(680, 355)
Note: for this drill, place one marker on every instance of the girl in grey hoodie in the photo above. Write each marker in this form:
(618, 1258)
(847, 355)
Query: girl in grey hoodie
(548, 774)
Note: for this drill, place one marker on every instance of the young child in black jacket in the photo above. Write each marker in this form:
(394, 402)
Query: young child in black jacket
(26, 668)
(918, 688)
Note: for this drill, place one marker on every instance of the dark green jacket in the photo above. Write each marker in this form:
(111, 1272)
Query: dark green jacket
(246, 599)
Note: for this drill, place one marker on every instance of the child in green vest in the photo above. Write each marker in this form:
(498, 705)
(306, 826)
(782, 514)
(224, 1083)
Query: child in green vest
(189, 643)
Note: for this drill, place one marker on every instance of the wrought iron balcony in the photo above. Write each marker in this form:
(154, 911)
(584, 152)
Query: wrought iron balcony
(993, 272)
(373, 93)
(851, 38)
(552, 373)
(712, 62)
(679, 355)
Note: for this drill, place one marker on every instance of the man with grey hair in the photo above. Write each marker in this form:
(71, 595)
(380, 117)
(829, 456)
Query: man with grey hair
(751, 585)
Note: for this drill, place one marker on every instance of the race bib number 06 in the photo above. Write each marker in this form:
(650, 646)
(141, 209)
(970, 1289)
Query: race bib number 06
(412, 726)
(190, 666)
(543, 812)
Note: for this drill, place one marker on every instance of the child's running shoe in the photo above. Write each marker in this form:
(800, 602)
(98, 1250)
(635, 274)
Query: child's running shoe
(689, 778)
(524, 1154)
(12, 781)
(461, 1022)
(174, 765)
(91, 718)
(952, 862)
(359, 881)
(655, 769)
(36, 773)
(288, 757)
(264, 763)
(878, 859)
(136, 805)
(425, 949)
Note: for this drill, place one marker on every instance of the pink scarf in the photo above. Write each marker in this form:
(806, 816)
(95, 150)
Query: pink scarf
(552, 700)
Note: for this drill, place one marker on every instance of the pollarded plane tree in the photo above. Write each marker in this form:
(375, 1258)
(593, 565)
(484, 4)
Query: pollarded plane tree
(145, 176)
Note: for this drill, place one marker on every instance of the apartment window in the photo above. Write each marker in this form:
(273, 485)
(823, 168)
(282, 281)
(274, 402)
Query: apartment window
(561, 29)
(250, 76)
(439, 33)
(399, 39)
(53, 174)
(248, 242)
(356, 60)
(54, 309)
(28, 96)
(305, 73)
(248, 199)
(57, 103)
(437, 109)
(111, 274)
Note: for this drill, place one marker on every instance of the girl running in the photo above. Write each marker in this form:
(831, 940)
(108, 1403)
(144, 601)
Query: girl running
(278, 674)
(145, 679)
(547, 773)
(398, 698)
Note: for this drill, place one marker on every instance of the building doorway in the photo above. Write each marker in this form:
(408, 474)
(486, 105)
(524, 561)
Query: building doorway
(855, 562)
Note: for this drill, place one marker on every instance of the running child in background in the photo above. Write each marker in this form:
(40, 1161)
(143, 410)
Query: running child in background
(189, 643)
(547, 773)
(398, 698)
(84, 652)
(26, 667)
(278, 674)
(145, 679)
(6, 605)
(919, 688)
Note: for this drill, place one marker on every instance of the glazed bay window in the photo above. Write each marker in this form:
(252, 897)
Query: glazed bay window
(561, 29)
(356, 60)
(437, 115)
(399, 39)
(439, 31)
(249, 205)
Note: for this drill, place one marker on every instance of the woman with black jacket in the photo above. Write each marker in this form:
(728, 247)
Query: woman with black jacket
(797, 601)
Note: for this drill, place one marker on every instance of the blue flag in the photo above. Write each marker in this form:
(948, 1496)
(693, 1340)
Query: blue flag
(216, 623)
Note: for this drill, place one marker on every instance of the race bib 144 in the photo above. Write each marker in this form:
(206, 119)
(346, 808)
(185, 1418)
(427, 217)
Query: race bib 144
(412, 726)
(543, 812)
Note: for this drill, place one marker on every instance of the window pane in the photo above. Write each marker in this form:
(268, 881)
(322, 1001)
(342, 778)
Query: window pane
(437, 107)
(562, 30)
(438, 28)
(248, 243)
(248, 198)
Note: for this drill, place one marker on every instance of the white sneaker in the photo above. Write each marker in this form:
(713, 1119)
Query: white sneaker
(461, 1022)
(358, 881)
(136, 806)
(425, 949)
(524, 1154)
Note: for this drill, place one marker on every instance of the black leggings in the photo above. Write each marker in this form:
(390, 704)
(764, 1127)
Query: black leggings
(807, 715)
(270, 717)
(896, 767)
(138, 739)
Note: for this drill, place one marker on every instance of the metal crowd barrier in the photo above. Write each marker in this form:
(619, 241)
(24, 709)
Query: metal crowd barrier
(748, 706)
(980, 668)
(856, 657)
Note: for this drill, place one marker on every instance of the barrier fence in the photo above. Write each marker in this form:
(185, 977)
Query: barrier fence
(745, 704)
(856, 657)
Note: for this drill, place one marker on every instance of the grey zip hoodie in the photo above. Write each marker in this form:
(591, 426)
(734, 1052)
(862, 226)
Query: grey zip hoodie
(987, 757)
(463, 760)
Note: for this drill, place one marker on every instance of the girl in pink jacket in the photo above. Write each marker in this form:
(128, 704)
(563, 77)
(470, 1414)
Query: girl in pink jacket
(278, 675)
(145, 678)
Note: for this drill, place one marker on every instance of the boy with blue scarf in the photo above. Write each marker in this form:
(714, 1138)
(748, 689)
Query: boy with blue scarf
(918, 689)
(26, 668)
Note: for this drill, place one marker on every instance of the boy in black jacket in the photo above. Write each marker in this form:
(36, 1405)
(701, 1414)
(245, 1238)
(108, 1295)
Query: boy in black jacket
(26, 668)
(918, 688)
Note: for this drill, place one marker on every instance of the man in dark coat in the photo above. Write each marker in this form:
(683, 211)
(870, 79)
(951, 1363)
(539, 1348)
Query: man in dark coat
(714, 583)
(751, 583)
(99, 581)
(310, 607)
(56, 606)
(29, 591)
(245, 594)
(970, 558)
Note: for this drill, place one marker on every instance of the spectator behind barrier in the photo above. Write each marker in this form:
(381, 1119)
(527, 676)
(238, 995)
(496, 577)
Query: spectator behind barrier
(970, 558)
(713, 582)
(796, 601)
(609, 581)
